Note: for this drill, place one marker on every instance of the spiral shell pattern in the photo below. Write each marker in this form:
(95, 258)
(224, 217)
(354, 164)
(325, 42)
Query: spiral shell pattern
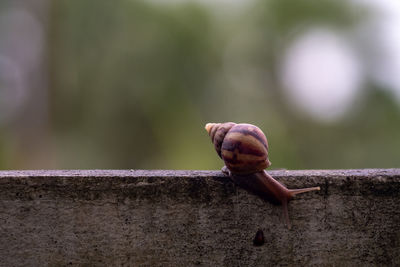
(217, 132)
(243, 147)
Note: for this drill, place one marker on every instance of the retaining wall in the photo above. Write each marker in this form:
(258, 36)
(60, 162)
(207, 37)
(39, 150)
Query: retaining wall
(186, 218)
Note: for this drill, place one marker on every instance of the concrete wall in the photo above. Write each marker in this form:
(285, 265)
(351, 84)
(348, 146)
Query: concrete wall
(186, 218)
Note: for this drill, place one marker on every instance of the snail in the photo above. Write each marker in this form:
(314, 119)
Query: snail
(244, 149)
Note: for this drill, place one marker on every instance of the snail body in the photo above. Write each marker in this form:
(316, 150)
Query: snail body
(244, 149)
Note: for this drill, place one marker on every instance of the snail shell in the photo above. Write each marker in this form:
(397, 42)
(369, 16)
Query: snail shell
(243, 147)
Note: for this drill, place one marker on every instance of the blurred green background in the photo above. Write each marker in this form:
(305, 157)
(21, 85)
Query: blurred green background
(130, 84)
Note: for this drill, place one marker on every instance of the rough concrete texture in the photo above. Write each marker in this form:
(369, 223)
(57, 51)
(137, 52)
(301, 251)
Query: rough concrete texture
(186, 218)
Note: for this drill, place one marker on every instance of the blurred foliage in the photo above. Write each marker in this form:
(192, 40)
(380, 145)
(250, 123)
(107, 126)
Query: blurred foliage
(287, 16)
(128, 82)
(132, 84)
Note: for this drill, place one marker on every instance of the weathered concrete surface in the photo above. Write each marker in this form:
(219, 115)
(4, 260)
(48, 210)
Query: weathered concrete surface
(186, 218)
